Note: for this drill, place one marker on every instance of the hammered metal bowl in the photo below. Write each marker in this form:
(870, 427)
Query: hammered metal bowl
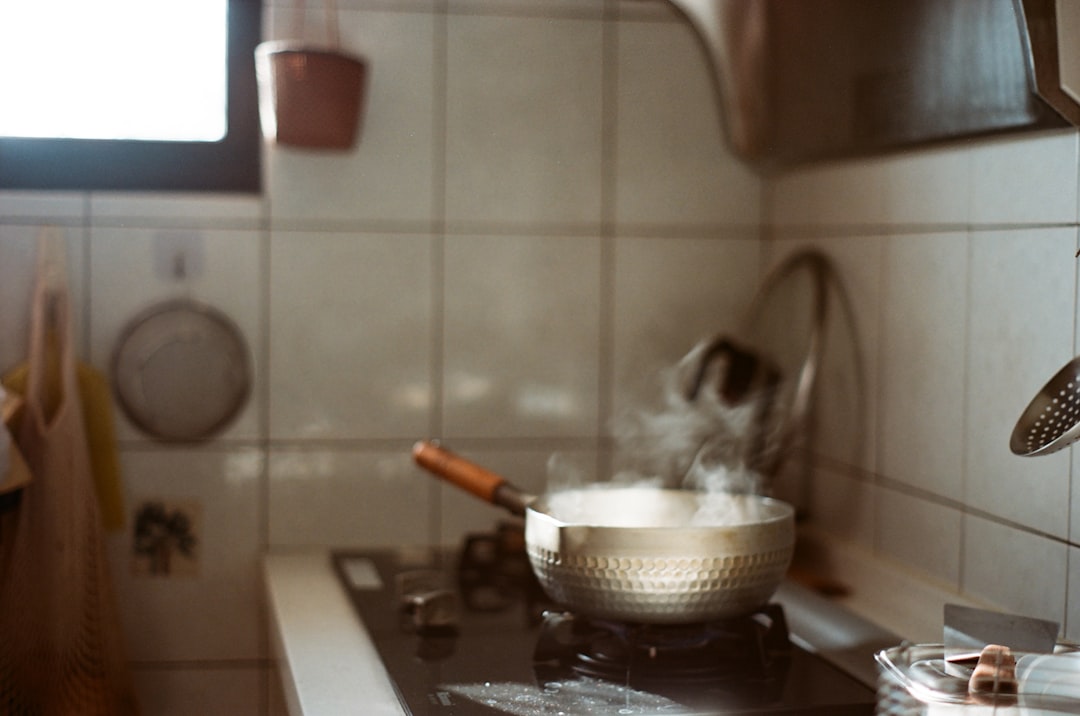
(662, 575)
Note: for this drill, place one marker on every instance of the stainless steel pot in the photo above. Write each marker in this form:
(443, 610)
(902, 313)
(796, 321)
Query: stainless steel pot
(636, 554)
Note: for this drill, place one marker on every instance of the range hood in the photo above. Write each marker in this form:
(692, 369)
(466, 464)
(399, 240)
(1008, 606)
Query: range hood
(805, 80)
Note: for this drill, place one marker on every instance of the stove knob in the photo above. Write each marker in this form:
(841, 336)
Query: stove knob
(435, 610)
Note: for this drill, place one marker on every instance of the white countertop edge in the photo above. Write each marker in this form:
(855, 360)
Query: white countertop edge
(329, 666)
(326, 660)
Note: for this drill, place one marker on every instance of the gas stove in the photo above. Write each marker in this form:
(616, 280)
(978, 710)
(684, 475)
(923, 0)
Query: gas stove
(469, 632)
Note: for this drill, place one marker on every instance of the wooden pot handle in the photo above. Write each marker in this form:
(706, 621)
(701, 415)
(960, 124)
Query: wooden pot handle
(469, 476)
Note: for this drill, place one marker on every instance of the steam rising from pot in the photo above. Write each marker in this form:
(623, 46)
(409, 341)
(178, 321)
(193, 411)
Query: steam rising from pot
(647, 507)
(704, 443)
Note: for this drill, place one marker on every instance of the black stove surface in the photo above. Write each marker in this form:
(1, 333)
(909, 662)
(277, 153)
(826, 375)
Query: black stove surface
(458, 640)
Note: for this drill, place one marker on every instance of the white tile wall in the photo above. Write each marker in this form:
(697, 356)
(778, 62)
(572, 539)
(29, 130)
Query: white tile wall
(340, 497)
(1074, 504)
(509, 254)
(1022, 301)
(186, 210)
(521, 356)
(1016, 569)
(1030, 180)
(669, 129)
(62, 208)
(842, 503)
(132, 270)
(969, 310)
(847, 395)
(927, 187)
(830, 194)
(210, 615)
(1072, 618)
(899, 517)
(544, 8)
(540, 211)
(389, 175)
(523, 145)
(670, 294)
(924, 292)
(350, 335)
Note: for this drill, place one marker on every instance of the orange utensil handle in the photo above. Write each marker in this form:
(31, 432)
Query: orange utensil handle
(458, 471)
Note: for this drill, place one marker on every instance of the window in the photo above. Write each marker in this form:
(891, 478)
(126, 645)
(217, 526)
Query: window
(129, 94)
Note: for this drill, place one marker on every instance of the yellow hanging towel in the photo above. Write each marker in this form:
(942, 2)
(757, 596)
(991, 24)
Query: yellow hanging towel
(98, 421)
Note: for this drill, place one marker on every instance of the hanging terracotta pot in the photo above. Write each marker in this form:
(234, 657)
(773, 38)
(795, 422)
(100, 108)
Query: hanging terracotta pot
(310, 96)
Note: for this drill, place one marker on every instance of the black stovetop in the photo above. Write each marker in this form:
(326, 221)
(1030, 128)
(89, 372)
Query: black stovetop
(508, 650)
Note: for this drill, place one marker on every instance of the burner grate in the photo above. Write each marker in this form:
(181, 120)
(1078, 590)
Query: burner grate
(752, 652)
(500, 655)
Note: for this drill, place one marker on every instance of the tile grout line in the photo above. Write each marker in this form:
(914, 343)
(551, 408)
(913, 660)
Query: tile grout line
(609, 80)
(440, 54)
(265, 444)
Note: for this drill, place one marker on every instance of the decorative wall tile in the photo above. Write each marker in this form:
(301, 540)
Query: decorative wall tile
(208, 614)
(167, 537)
